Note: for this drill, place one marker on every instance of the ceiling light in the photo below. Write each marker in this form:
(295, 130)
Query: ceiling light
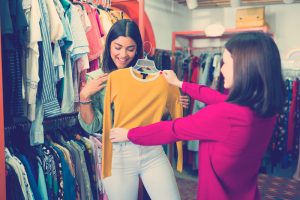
(192, 4)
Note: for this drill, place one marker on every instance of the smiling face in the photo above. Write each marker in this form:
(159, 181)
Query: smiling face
(122, 51)
(227, 69)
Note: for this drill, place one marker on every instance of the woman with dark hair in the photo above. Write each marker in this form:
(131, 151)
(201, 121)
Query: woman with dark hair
(234, 130)
(122, 49)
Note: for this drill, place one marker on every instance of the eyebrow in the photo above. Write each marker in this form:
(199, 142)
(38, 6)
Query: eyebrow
(126, 47)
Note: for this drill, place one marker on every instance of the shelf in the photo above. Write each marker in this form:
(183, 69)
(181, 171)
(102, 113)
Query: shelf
(195, 35)
(228, 32)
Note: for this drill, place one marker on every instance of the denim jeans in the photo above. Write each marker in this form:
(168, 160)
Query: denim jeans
(150, 163)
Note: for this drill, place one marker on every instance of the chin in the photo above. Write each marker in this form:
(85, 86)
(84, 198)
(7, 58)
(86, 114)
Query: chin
(226, 86)
(121, 66)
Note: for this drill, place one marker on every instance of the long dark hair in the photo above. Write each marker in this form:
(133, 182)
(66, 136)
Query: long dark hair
(126, 28)
(257, 76)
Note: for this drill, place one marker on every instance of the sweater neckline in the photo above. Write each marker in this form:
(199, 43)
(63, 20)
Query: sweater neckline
(156, 75)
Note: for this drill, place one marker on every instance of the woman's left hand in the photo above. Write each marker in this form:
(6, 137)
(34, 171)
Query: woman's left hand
(185, 101)
(118, 135)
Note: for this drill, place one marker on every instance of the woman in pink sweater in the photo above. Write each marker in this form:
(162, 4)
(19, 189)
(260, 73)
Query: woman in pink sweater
(234, 129)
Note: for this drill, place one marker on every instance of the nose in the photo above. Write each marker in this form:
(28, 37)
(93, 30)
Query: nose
(222, 69)
(123, 53)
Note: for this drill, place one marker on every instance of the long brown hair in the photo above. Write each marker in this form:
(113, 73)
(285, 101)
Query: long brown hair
(126, 28)
(257, 76)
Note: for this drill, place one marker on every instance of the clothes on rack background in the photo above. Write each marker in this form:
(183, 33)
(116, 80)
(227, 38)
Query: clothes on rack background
(283, 152)
(202, 68)
(162, 59)
(67, 166)
(47, 49)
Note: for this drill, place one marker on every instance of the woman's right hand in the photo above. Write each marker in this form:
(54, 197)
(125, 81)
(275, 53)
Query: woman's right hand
(171, 77)
(93, 86)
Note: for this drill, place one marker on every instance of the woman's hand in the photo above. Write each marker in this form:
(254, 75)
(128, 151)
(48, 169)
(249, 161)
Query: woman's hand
(185, 101)
(118, 135)
(93, 86)
(171, 77)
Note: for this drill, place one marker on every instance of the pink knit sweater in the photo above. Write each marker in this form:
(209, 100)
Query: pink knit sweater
(233, 140)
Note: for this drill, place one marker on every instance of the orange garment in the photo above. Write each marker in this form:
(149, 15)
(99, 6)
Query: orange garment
(137, 102)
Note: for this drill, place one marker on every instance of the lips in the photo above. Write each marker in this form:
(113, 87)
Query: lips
(122, 60)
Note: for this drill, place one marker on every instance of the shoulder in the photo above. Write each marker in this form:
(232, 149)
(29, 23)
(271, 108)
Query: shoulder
(119, 73)
(230, 111)
(226, 107)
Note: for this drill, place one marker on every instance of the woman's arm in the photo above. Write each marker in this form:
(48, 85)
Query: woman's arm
(199, 126)
(90, 116)
(198, 92)
(203, 93)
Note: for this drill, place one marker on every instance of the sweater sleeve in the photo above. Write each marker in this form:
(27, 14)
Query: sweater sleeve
(107, 124)
(176, 111)
(203, 93)
(199, 126)
(96, 124)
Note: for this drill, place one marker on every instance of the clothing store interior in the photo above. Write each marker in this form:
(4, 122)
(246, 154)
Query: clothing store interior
(73, 70)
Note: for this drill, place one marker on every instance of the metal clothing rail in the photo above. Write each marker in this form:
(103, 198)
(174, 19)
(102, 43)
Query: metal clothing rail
(58, 121)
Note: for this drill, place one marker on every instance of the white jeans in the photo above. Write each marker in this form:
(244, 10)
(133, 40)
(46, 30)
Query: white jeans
(130, 161)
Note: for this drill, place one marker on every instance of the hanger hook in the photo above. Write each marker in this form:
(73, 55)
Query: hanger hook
(144, 45)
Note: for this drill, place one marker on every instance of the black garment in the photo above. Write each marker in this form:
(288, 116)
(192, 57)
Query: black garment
(12, 85)
(5, 19)
(13, 186)
(166, 61)
(14, 39)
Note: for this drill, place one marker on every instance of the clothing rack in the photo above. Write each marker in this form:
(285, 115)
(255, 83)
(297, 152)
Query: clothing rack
(291, 74)
(49, 124)
(58, 121)
(140, 17)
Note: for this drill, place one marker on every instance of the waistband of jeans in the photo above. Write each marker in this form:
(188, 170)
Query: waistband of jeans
(122, 143)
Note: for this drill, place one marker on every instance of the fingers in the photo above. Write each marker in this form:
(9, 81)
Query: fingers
(113, 136)
(103, 75)
(102, 78)
(167, 73)
(185, 101)
(101, 86)
(185, 105)
(118, 135)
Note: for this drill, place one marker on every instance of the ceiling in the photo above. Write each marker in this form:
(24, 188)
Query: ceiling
(226, 3)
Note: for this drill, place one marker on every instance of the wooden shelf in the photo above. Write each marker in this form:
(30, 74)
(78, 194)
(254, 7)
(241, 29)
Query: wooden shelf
(195, 35)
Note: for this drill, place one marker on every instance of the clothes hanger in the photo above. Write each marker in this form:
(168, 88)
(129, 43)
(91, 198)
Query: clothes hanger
(78, 3)
(145, 65)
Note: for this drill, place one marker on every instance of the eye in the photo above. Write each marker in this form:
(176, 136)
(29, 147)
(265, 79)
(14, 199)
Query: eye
(131, 49)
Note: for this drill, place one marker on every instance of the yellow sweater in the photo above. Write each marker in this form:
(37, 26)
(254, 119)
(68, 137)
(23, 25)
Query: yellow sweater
(137, 102)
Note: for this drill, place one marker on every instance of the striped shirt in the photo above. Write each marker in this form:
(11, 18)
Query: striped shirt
(49, 98)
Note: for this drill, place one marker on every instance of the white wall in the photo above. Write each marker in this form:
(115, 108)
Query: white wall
(283, 19)
(166, 17)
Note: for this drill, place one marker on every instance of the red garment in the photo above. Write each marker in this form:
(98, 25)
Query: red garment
(94, 65)
(94, 34)
(291, 120)
(233, 142)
